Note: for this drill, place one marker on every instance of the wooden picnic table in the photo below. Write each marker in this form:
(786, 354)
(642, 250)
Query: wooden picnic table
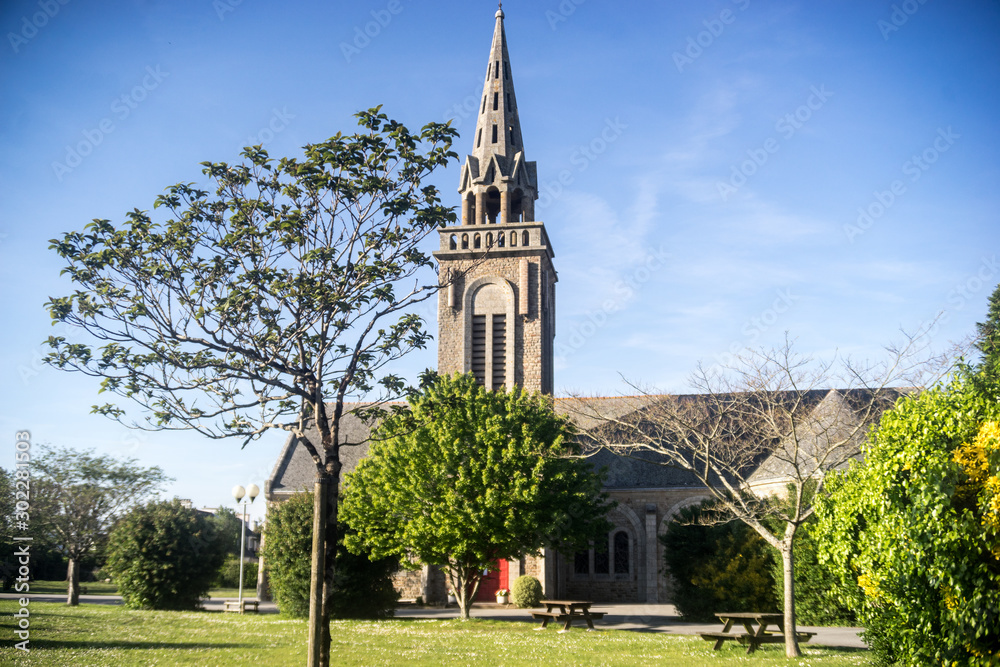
(755, 623)
(568, 611)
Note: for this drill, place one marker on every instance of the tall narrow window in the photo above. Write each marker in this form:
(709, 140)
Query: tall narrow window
(496, 101)
(479, 137)
(479, 348)
(621, 552)
(499, 351)
(601, 557)
(494, 133)
(496, 69)
(508, 101)
(484, 104)
(506, 70)
(510, 130)
(581, 562)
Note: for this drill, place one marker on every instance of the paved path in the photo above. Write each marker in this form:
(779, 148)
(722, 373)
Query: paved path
(636, 617)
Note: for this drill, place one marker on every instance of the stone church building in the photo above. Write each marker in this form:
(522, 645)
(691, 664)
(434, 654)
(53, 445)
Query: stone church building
(497, 321)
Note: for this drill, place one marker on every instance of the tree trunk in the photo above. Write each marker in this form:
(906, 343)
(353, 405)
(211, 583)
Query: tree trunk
(788, 567)
(73, 579)
(332, 540)
(466, 585)
(318, 571)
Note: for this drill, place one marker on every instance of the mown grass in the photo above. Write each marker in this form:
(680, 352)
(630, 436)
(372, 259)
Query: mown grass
(100, 588)
(60, 588)
(111, 635)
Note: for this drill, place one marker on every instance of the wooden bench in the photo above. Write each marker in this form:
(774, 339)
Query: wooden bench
(234, 605)
(568, 611)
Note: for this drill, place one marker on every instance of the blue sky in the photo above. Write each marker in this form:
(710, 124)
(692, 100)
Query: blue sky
(713, 173)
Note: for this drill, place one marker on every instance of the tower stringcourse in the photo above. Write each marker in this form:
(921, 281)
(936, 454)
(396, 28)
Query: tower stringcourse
(496, 317)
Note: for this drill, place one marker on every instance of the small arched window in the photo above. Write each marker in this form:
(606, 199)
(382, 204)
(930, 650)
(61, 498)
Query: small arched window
(452, 243)
(513, 239)
(621, 552)
(477, 241)
(465, 241)
(524, 237)
(501, 239)
(489, 240)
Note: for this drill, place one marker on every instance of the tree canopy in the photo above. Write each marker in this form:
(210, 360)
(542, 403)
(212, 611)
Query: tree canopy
(988, 338)
(466, 477)
(77, 496)
(164, 556)
(266, 300)
(917, 526)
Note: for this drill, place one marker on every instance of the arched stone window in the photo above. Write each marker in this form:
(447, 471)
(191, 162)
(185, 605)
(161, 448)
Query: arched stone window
(453, 243)
(524, 238)
(513, 239)
(465, 241)
(477, 242)
(489, 346)
(489, 240)
(501, 240)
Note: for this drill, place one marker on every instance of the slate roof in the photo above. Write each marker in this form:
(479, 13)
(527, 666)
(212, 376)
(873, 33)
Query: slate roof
(294, 471)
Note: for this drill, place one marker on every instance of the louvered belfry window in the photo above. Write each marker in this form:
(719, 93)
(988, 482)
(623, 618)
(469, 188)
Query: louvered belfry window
(479, 348)
(499, 350)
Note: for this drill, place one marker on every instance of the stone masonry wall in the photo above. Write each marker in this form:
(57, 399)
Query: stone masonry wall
(453, 349)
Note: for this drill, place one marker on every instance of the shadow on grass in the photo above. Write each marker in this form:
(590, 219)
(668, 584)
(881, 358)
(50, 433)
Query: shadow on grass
(55, 645)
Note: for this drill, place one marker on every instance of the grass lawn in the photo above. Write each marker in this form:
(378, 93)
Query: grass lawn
(60, 588)
(112, 635)
(101, 588)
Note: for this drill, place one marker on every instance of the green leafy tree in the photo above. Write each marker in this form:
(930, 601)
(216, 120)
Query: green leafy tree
(988, 339)
(76, 498)
(466, 477)
(164, 556)
(363, 586)
(229, 527)
(914, 531)
(268, 303)
(717, 566)
(8, 563)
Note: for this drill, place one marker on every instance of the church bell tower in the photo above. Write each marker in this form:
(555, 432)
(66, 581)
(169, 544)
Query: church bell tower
(496, 318)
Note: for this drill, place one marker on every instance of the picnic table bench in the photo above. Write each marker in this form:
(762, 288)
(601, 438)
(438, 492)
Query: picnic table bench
(569, 610)
(755, 624)
(241, 605)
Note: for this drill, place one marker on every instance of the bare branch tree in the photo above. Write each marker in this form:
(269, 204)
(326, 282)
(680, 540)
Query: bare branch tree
(770, 422)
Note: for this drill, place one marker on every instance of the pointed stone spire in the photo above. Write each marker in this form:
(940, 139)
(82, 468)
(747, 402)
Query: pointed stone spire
(497, 184)
(498, 129)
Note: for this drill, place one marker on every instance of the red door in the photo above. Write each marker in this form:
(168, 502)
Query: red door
(492, 580)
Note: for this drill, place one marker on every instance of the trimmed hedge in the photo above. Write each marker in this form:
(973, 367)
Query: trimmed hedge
(526, 592)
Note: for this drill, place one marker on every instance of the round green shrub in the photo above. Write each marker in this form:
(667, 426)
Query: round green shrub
(164, 556)
(526, 592)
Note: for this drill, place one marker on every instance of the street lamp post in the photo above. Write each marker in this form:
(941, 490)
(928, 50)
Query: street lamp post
(238, 493)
